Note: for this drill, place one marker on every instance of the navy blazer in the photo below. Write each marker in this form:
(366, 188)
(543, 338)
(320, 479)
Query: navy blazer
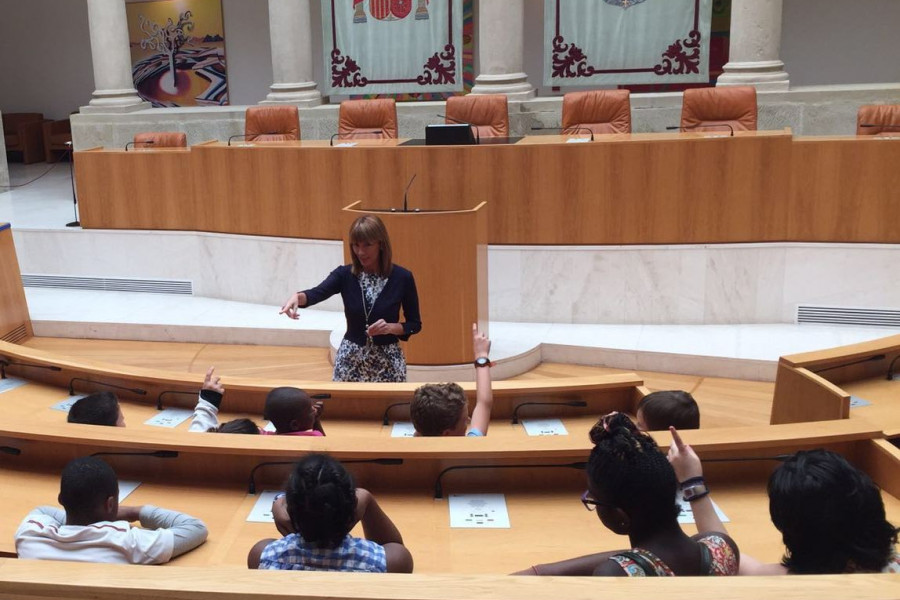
(399, 291)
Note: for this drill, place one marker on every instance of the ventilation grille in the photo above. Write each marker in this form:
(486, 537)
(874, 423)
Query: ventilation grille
(16, 335)
(110, 284)
(843, 315)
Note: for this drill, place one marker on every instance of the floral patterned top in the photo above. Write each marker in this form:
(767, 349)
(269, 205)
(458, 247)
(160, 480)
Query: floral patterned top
(719, 554)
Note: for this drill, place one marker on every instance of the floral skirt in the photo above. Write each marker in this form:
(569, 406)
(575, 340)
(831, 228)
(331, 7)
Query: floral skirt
(369, 363)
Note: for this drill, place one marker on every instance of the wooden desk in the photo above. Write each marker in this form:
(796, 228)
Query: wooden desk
(654, 188)
(15, 323)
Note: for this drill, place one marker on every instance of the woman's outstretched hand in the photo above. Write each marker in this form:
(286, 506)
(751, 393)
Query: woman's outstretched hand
(291, 308)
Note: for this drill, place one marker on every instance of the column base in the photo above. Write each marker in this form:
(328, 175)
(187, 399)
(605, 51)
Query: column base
(513, 85)
(300, 94)
(115, 101)
(763, 75)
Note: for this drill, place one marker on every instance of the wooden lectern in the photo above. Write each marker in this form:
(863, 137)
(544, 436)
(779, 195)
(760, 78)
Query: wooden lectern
(15, 324)
(447, 253)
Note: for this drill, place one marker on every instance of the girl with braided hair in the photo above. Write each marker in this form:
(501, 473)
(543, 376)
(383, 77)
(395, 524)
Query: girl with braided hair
(632, 487)
(316, 514)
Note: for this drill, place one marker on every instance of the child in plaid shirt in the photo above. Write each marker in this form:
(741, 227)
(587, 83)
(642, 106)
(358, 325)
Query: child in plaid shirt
(320, 507)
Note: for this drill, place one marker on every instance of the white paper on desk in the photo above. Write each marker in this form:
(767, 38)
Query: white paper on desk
(856, 402)
(65, 405)
(262, 510)
(170, 417)
(270, 427)
(687, 515)
(126, 487)
(577, 140)
(11, 383)
(478, 511)
(544, 427)
(345, 145)
(403, 429)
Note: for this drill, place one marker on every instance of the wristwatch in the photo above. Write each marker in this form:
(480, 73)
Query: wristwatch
(695, 492)
(483, 361)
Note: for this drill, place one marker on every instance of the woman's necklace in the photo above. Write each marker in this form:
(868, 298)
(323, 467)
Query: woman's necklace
(367, 310)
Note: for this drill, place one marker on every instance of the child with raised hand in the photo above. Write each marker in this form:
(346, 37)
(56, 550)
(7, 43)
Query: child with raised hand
(441, 409)
(632, 487)
(320, 508)
(206, 413)
(94, 528)
(830, 514)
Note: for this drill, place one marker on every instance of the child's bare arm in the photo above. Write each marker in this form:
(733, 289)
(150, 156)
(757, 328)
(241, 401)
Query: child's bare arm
(484, 397)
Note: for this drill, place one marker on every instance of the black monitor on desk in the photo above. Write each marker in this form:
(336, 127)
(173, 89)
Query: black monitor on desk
(449, 134)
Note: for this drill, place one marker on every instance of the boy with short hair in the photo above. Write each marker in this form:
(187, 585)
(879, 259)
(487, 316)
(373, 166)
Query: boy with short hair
(660, 410)
(440, 409)
(94, 528)
(99, 408)
(293, 412)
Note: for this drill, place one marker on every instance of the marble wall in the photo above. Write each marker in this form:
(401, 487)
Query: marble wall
(708, 284)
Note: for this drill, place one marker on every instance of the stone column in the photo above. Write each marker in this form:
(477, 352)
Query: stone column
(500, 50)
(111, 56)
(755, 46)
(290, 32)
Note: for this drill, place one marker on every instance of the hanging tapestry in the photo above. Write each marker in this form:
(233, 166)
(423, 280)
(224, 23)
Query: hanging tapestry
(392, 46)
(178, 52)
(611, 42)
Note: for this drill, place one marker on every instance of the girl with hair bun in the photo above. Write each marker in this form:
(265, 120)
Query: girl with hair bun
(632, 487)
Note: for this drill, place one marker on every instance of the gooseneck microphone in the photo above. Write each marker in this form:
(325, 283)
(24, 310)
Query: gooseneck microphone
(5, 362)
(683, 127)
(72, 381)
(355, 132)
(384, 418)
(882, 126)
(243, 135)
(406, 193)
(472, 126)
(563, 130)
(575, 403)
(139, 144)
(251, 482)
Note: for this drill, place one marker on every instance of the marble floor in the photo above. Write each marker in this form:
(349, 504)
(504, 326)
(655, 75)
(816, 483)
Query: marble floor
(747, 351)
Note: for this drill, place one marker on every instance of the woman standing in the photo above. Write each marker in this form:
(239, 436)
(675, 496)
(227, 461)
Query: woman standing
(373, 290)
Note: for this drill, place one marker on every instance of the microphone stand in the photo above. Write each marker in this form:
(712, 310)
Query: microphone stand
(76, 222)
(681, 128)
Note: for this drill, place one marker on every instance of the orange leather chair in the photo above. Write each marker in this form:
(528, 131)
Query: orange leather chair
(272, 124)
(160, 139)
(703, 108)
(57, 139)
(368, 119)
(600, 111)
(487, 112)
(884, 117)
(24, 132)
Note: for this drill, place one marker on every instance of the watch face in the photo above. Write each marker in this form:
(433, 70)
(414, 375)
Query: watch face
(482, 362)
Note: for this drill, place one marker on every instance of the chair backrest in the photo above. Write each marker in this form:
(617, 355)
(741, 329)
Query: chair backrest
(161, 139)
(373, 119)
(13, 120)
(601, 111)
(703, 108)
(487, 112)
(272, 124)
(882, 118)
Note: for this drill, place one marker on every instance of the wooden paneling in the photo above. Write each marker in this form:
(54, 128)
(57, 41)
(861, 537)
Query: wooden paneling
(139, 189)
(801, 396)
(15, 323)
(620, 189)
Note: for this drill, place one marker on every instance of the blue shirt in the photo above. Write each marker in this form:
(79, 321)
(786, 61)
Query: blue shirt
(293, 553)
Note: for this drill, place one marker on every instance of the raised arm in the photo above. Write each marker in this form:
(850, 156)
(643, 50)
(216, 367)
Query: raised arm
(206, 413)
(379, 528)
(484, 396)
(690, 472)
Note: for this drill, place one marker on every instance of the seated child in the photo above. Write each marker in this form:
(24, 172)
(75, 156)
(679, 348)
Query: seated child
(660, 410)
(317, 513)
(99, 408)
(293, 412)
(94, 528)
(206, 413)
(440, 409)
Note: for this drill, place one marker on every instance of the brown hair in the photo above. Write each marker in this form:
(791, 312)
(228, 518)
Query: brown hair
(369, 228)
(436, 407)
(675, 408)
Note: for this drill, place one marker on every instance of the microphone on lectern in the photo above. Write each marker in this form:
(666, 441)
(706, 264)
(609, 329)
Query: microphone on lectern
(881, 126)
(355, 132)
(406, 193)
(683, 127)
(136, 144)
(472, 126)
(243, 135)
